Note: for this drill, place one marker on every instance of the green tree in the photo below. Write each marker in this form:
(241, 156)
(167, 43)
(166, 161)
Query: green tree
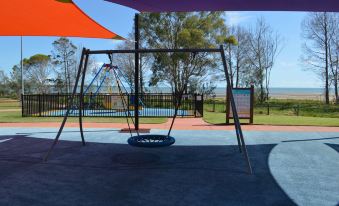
(264, 47)
(236, 51)
(182, 30)
(334, 58)
(230, 43)
(38, 69)
(64, 57)
(15, 81)
(126, 63)
(319, 30)
(4, 87)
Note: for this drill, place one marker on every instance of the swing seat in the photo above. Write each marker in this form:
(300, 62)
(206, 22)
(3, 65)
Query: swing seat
(151, 140)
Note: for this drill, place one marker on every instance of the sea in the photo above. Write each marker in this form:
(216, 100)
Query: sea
(289, 93)
(285, 91)
(275, 92)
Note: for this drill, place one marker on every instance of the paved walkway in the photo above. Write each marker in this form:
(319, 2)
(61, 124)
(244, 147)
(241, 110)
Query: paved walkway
(182, 124)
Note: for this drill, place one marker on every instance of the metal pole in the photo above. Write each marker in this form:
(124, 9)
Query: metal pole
(142, 51)
(234, 111)
(136, 73)
(22, 72)
(81, 100)
(69, 106)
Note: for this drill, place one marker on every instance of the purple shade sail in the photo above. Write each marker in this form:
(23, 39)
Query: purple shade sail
(229, 5)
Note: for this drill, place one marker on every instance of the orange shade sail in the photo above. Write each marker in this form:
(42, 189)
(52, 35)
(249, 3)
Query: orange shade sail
(48, 18)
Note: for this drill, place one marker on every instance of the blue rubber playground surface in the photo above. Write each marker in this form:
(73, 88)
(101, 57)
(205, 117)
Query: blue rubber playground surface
(201, 168)
(145, 112)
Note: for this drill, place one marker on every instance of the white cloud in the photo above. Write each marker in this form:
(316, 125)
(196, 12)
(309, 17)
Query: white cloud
(234, 18)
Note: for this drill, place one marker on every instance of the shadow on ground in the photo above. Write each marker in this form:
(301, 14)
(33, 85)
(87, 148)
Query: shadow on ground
(113, 174)
(336, 148)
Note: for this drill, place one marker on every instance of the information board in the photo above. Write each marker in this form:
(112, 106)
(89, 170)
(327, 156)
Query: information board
(243, 98)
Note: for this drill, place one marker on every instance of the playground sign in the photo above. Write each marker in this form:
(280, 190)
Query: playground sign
(243, 98)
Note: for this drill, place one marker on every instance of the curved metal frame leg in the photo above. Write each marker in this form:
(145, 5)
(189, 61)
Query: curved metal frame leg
(81, 99)
(69, 106)
(237, 132)
(237, 125)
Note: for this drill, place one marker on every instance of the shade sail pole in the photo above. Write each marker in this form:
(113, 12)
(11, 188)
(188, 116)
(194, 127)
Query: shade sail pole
(136, 73)
(22, 71)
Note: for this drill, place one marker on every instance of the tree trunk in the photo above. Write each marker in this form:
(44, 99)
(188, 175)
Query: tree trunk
(327, 96)
(336, 91)
(65, 83)
(237, 76)
(262, 92)
(230, 64)
(141, 76)
(336, 86)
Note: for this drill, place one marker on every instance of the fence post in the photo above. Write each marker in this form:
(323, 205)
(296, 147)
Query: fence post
(22, 105)
(39, 104)
(213, 105)
(128, 101)
(202, 105)
(268, 108)
(227, 109)
(43, 102)
(195, 105)
(252, 104)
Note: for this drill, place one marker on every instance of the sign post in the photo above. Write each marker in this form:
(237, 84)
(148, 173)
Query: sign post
(244, 99)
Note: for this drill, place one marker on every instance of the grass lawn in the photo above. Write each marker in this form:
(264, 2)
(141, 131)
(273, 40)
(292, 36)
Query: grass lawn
(10, 111)
(285, 107)
(9, 104)
(219, 118)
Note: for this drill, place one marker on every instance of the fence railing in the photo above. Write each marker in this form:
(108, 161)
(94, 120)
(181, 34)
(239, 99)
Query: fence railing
(111, 105)
(291, 109)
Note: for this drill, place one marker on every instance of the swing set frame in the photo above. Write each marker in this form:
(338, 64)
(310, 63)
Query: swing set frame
(82, 73)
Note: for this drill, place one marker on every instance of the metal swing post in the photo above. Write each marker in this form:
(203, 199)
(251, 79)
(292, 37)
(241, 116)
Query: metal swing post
(235, 113)
(136, 73)
(84, 54)
(81, 96)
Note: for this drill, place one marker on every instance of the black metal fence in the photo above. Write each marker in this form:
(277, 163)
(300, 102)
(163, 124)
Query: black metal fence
(282, 108)
(111, 105)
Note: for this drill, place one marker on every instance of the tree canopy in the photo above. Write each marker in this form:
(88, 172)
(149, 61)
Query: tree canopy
(38, 68)
(64, 57)
(182, 30)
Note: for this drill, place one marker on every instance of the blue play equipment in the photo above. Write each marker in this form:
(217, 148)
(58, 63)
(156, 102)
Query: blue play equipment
(104, 66)
(147, 140)
(116, 70)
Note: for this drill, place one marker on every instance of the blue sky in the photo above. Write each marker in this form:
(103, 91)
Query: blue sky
(287, 72)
